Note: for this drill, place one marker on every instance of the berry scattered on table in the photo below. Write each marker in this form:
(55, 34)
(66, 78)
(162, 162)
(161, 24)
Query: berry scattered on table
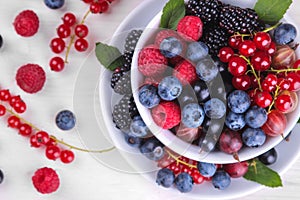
(206, 169)
(165, 177)
(1, 176)
(236, 170)
(65, 120)
(269, 158)
(184, 182)
(221, 180)
(54, 4)
(46, 180)
(1, 41)
(26, 23)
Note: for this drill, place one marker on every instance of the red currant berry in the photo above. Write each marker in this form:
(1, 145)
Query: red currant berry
(34, 142)
(247, 48)
(241, 82)
(283, 103)
(63, 31)
(294, 80)
(283, 83)
(5, 95)
(272, 49)
(69, 19)
(297, 66)
(2, 110)
(237, 66)
(261, 61)
(14, 99)
(95, 7)
(57, 64)
(57, 45)
(254, 82)
(104, 5)
(263, 99)
(197, 177)
(13, 122)
(269, 83)
(81, 30)
(87, 1)
(186, 169)
(20, 106)
(184, 159)
(67, 156)
(225, 54)
(42, 137)
(25, 129)
(52, 152)
(81, 45)
(262, 40)
(235, 41)
(51, 142)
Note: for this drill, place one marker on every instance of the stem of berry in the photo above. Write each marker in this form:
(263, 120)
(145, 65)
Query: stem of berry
(180, 161)
(275, 96)
(272, 27)
(253, 164)
(283, 70)
(253, 71)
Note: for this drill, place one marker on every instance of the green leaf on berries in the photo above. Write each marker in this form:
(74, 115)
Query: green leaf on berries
(260, 173)
(271, 12)
(110, 57)
(298, 120)
(173, 11)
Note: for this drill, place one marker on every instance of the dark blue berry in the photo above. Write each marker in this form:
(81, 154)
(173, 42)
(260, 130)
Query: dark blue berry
(148, 96)
(170, 47)
(192, 115)
(256, 117)
(152, 149)
(65, 120)
(54, 4)
(184, 182)
(206, 69)
(165, 177)
(169, 88)
(221, 180)
(285, 34)
(1, 41)
(214, 108)
(132, 140)
(1, 176)
(196, 51)
(238, 101)
(254, 137)
(138, 128)
(206, 169)
(268, 158)
(235, 121)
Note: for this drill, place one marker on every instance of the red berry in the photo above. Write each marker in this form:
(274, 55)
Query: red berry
(104, 5)
(81, 30)
(275, 124)
(241, 82)
(230, 142)
(283, 103)
(197, 177)
(237, 66)
(5, 95)
(297, 66)
(2, 110)
(42, 137)
(272, 49)
(110, 1)
(57, 64)
(294, 80)
(87, 1)
(283, 83)
(20, 106)
(190, 28)
(261, 61)
(34, 142)
(26, 23)
(51, 142)
(57, 45)
(81, 45)
(269, 83)
(236, 170)
(225, 54)
(251, 94)
(186, 169)
(263, 99)
(45, 180)
(262, 40)
(14, 99)
(25, 129)
(66, 156)
(63, 31)
(69, 19)
(247, 48)
(52, 152)
(95, 7)
(14, 122)
(235, 41)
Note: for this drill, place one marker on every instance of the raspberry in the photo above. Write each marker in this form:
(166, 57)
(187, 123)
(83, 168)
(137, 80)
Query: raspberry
(152, 80)
(151, 61)
(185, 72)
(45, 180)
(166, 115)
(190, 28)
(26, 23)
(31, 78)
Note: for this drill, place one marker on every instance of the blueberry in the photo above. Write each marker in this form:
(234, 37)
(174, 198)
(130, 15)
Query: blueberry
(214, 108)
(201, 91)
(152, 149)
(253, 137)
(235, 121)
(206, 169)
(170, 47)
(1, 41)
(65, 120)
(256, 117)
(148, 96)
(184, 182)
(221, 180)
(238, 101)
(169, 88)
(138, 128)
(132, 141)
(206, 69)
(54, 4)
(192, 115)
(196, 51)
(165, 177)
(268, 158)
(1, 176)
(285, 34)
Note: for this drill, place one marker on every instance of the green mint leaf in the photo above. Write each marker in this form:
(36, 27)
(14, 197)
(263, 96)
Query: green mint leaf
(260, 173)
(298, 120)
(271, 12)
(110, 57)
(173, 11)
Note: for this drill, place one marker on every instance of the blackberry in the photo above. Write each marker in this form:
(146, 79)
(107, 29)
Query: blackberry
(133, 111)
(235, 19)
(215, 38)
(123, 85)
(116, 76)
(207, 10)
(131, 40)
(127, 59)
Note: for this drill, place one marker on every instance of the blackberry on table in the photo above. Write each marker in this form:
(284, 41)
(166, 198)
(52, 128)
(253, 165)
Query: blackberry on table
(117, 74)
(207, 10)
(123, 85)
(131, 40)
(127, 59)
(235, 19)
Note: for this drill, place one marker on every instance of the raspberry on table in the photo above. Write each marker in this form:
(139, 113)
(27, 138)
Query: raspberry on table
(45, 180)
(26, 23)
(31, 78)
(190, 28)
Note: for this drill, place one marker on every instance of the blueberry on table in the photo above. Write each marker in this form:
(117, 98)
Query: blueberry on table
(285, 34)
(54, 4)
(165, 177)
(65, 120)
(1, 176)
(268, 158)
(221, 180)
(1, 41)
(184, 182)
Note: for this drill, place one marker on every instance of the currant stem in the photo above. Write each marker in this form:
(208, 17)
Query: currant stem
(253, 71)
(180, 161)
(275, 96)
(272, 27)
(253, 164)
(283, 70)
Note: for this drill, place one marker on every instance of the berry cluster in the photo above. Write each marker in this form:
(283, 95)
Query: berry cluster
(98, 6)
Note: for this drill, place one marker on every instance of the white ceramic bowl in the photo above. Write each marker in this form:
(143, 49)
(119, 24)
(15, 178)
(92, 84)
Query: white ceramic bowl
(175, 143)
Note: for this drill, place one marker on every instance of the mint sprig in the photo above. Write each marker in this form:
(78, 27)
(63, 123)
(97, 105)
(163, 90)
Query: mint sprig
(260, 173)
(173, 11)
(110, 57)
(271, 12)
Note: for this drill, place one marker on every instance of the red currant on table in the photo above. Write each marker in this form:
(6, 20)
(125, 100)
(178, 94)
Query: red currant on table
(13, 122)
(81, 30)
(262, 40)
(263, 99)
(5, 95)
(225, 54)
(95, 7)
(81, 45)
(14, 99)
(197, 177)
(25, 129)
(237, 66)
(235, 41)
(57, 64)
(42, 137)
(51, 142)
(34, 142)
(261, 61)
(57, 45)
(2, 110)
(241, 82)
(63, 31)
(104, 5)
(67, 156)
(69, 19)
(269, 83)
(20, 107)
(247, 48)
(52, 152)
(87, 1)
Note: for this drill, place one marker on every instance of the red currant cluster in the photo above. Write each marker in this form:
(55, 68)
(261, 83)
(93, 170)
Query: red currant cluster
(14, 101)
(64, 31)
(98, 6)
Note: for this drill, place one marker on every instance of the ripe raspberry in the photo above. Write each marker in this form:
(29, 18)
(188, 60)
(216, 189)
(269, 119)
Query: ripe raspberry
(185, 72)
(31, 78)
(190, 28)
(26, 23)
(152, 80)
(151, 61)
(166, 115)
(45, 180)
(163, 35)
